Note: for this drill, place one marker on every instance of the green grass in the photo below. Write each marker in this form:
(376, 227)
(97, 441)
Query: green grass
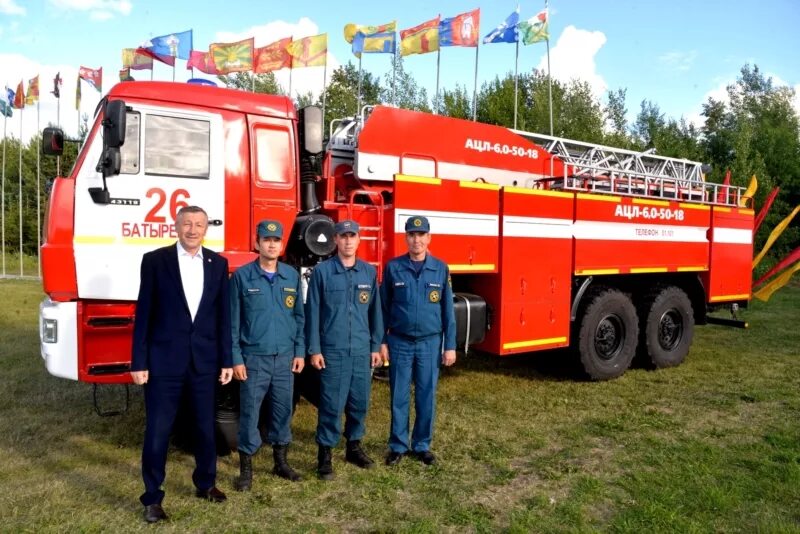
(525, 446)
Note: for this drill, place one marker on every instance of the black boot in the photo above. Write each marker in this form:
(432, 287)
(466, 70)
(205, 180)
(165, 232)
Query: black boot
(324, 467)
(245, 480)
(282, 468)
(356, 455)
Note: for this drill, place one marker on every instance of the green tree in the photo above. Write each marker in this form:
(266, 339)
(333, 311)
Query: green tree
(342, 91)
(456, 103)
(616, 119)
(247, 81)
(402, 90)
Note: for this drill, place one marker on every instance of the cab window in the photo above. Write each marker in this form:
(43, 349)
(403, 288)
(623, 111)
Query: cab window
(176, 146)
(273, 156)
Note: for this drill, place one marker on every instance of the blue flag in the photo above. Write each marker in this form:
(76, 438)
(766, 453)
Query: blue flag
(506, 31)
(175, 44)
(5, 109)
(376, 43)
(10, 96)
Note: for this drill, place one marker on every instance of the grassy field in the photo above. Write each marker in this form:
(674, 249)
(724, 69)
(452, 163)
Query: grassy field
(525, 446)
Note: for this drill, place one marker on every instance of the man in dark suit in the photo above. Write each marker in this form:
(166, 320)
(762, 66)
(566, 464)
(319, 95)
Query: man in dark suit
(181, 341)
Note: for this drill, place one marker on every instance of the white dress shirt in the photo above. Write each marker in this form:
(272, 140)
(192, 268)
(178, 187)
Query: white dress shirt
(191, 268)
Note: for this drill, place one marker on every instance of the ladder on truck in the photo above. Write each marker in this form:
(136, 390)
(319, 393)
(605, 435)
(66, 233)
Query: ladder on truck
(604, 169)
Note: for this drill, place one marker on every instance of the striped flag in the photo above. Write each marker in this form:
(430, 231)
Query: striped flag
(233, 57)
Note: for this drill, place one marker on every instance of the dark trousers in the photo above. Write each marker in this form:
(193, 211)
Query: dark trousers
(345, 384)
(269, 379)
(162, 398)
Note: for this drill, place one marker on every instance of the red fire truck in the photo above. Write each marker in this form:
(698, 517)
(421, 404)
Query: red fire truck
(550, 242)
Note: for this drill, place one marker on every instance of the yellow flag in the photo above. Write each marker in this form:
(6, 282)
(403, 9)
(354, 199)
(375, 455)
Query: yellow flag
(778, 282)
(774, 235)
(750, 192)
(309, 51)
(350, 30)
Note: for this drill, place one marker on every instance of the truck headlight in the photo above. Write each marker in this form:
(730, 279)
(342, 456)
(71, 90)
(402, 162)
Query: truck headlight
(49, 330)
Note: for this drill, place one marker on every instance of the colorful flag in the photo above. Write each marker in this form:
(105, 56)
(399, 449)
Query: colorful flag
(376, 43)
(5, 109)
(534, 30)
(10, 96)
(273, 57)
(766, 292)
(57, 86)
(506, 31)
(33, 91)
(774, 235)
(175, 45)
(125, 75)
(750, 192)
(461, 30)
(350, 30)
(792, 257)
(93, 76)
(232, 57)
(78, 94)
(167, 60)
(762, 213)
(19, 96)
(133, 58)
(420, 39)
(309, 51)
(201, 61)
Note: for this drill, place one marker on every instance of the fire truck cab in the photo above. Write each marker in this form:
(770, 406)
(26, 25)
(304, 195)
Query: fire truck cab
(550, 242)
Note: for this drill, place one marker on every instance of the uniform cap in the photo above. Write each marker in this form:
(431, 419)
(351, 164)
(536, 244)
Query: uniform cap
(267, 228)
(418, 223)
(346, 226)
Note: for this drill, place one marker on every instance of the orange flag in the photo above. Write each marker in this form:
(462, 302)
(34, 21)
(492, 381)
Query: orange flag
(272, 57)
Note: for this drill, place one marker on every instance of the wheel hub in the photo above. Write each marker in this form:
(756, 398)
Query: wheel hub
(609, 336)
(670, 329)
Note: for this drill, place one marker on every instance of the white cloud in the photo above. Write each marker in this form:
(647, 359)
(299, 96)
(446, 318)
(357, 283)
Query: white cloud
(303, 80)
(573, 57)
(10, 7)
(24, 69)
(98, 9)
(678, 61)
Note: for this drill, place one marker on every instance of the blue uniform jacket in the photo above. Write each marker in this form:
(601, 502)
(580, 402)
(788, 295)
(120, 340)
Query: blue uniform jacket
(266, 317)
(419, 306)
(343, 308)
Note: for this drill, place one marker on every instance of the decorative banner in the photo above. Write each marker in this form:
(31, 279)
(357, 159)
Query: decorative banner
(534, 30)
(506, 31)
(461, 30)
(175, 45)
(273, 57)
(134, 58)
(19, 96)
(232, 57)
(167, 60)
(765, 209)
(766, 292)
(5, 109)
(350, 30)
(11, 96)
(201, 61)
(790, 258)
(420, 39)
(774, 235)
(750, 192)
(33, 91)
(309, 51)
(93, 76)
(376, 43)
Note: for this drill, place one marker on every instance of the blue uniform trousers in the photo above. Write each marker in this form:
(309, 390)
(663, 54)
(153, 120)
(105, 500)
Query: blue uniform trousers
(162, 398)
(345, 384)
(269, 378)
(416, 360)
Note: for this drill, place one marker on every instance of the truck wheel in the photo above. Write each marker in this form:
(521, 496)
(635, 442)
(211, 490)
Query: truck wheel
(667, 327)
(608, 334)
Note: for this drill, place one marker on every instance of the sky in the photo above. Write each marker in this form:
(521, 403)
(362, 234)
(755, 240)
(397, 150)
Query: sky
(676, 53)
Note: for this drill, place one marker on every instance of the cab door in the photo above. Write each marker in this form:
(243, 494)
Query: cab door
(171, 158)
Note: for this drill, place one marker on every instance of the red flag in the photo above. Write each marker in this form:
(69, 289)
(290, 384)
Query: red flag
(790, 258)
(167, 60)
(461, 30)
(202, 62)
(273, 57)
(19, 97)
(765, 208)
(723, 192)
(93, 76)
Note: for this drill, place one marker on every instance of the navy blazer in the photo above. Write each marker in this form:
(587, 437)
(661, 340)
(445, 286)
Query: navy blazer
(165, 340)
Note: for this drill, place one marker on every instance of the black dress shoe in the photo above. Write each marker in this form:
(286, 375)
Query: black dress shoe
(153, 513)
(393, 458)
(426, 457)
(211, 494)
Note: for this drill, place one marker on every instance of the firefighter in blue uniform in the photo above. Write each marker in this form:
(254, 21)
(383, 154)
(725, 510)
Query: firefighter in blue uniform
(344, 328)
(267, 323)
(417, 300)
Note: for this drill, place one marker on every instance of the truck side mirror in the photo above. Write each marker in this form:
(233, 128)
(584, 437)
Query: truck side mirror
(114, 124)
(52, 141)
(311, 129)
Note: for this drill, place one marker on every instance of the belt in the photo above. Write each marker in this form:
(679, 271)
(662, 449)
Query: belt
(414, 339)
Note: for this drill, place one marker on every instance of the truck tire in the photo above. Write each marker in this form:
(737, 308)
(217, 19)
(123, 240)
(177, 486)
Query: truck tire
(666, 326)
(608, 334)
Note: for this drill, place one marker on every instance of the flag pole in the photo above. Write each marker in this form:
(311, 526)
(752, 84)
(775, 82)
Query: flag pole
(475, 86)
(516, 83)
(58, 123)
(549, 77)
(394, 76)
(324, 89)
(253, 82)
(290, 82)
(21, 269)
(173, 69)
(3, 195)
(438, 62)
(358, 101)
(38, 192)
